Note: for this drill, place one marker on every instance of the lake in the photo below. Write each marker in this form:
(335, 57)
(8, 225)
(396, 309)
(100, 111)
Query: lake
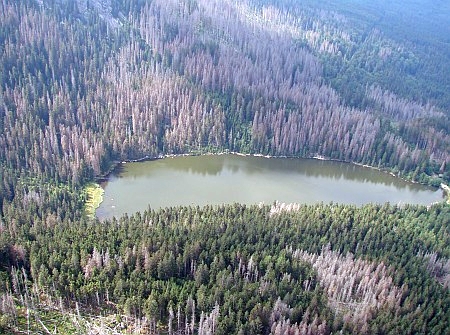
(218, 179)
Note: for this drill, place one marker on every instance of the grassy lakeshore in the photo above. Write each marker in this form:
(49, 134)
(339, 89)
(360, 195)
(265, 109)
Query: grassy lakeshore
(94, 197)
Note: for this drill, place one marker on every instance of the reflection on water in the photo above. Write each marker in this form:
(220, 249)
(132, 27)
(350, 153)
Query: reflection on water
(217, 179)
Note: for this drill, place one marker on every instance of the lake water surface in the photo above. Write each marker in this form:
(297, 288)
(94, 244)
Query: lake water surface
(218, 179)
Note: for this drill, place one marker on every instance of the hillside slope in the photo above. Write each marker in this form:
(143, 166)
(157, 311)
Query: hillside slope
(84, 85)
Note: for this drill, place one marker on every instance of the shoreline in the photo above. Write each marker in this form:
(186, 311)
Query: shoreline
(94, 197)
(104, 177)
(116, 164)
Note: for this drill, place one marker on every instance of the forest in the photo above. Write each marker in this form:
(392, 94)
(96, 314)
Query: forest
(86, 84)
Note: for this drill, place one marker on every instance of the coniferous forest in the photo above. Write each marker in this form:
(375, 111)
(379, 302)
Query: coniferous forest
(88, 83)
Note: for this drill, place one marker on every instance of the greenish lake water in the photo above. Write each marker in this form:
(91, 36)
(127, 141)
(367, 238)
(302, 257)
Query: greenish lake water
(218, 179)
